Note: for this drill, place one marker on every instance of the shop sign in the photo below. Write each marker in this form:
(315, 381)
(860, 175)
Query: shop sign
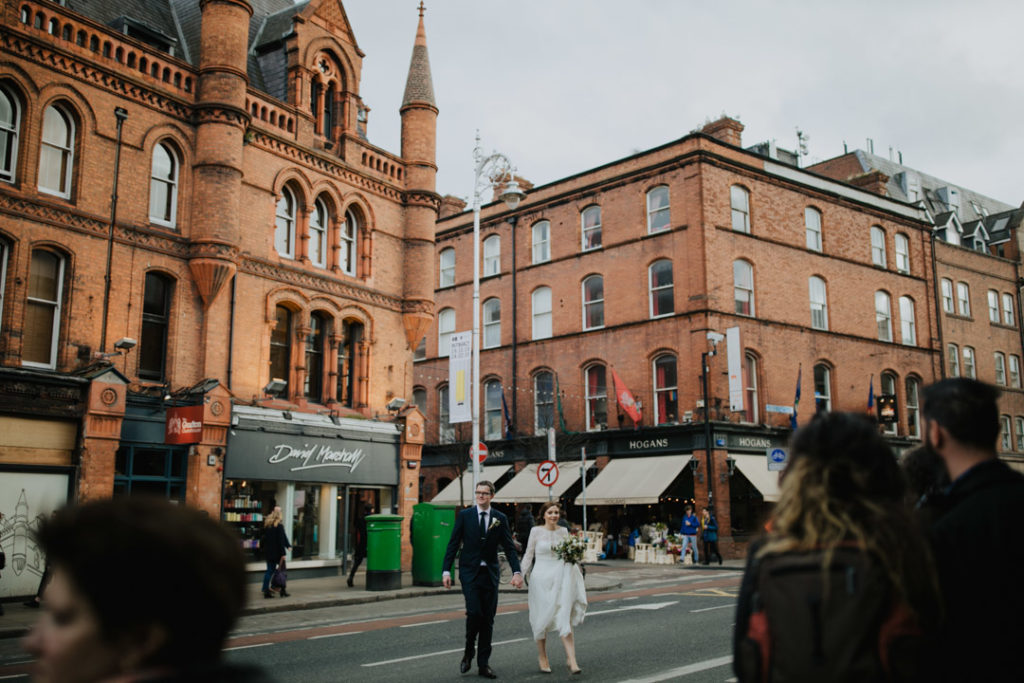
(750, 442)
(184, 425)
(298, 457)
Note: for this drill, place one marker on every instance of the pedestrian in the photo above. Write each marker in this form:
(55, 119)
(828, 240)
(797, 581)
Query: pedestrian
(709, 534)
(524, 524)
(478, 531)
(842, 587)
(274, 545)
(927, 481)
(141, 590)
(360, 542)
(689, 530)
(978, 540)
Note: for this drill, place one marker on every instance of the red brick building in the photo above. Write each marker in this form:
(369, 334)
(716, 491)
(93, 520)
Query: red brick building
(192, 214)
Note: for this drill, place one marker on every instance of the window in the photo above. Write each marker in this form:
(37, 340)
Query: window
(822, 388)
(750, 381)
(543, 402)
(908, 327)
(10, 124)
(492, 256)
(43, 310)
(902, 253)
(1000, 361)
(314, 383)
(419, 398)
(913, 407)
(151, 470)
(57, 152)
(743, 287)
(1008, 317)
(349, 361)
(318, 221)
(969, 365)
(593, 302)
(447, 268)
(1018, 424)
(445, 429)
(591, 221)
(420, 352)
(281, 348)
(819, 303)
(666, 394)
(739, 201)
(4, 254)
(492, 410)
(953, 358)
(347, 255)
(993, 306)
(947, 295)
(1015, 371)
(284, 226)
(812, 223)
(596, 398)
(657, 209)
(541, 301)
(963, 299)
(163, 185)
(445, 329)
(883, 316)
(492, 323)
(659, 276)
(541, 242)
(877, 246)
(1005, 435)
(156, 312)
(889, 387)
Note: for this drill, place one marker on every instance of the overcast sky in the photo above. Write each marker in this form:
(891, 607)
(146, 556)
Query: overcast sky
(561, 86)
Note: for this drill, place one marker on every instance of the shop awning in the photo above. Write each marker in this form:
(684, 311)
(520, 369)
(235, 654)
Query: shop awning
(526, 488)
(634, 481)
(755, 469)
(450, 494)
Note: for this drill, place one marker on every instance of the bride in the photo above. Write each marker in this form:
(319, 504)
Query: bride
(557, 598)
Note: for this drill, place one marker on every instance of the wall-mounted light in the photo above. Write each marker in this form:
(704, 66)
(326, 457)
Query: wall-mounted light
(275, 386)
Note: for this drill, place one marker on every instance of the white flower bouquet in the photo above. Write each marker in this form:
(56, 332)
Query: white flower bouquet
(570, 549)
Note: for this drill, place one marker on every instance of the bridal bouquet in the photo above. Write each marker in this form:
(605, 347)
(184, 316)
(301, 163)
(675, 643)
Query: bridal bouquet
(570, 549)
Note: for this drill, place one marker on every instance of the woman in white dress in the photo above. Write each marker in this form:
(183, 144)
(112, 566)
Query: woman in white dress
(558, 597)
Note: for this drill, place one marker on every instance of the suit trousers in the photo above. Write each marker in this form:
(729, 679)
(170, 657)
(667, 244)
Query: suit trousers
(481, 603)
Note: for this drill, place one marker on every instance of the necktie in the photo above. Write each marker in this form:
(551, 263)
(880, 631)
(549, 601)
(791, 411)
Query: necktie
(483, 524)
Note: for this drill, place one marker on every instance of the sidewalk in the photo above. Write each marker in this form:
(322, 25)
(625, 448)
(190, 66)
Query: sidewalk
(332, 591)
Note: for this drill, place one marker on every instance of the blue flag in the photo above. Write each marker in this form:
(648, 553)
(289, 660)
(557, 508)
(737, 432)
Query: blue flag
(796, 397)
(871, 395)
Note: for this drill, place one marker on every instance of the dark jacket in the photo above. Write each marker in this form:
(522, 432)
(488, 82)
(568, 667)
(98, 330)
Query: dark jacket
(474, 550)
(274, 543)
(361, 535)
(711, 530)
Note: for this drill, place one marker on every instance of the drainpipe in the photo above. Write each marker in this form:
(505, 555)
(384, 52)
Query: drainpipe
(515, 346)
(231, 329)
(121, 113)
(1020, 321)
(938, 308)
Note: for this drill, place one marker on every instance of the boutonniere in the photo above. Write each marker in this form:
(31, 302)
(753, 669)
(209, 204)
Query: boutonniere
(494, 523)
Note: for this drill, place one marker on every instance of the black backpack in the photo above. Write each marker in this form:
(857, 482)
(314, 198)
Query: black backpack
(810, 625)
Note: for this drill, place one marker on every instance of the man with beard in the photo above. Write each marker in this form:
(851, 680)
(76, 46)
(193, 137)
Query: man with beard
(979, 538)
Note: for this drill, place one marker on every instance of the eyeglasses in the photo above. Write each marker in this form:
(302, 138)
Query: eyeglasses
(484, 493)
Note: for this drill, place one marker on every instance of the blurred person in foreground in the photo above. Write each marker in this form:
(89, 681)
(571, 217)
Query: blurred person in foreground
(977, 536)
(142, 590)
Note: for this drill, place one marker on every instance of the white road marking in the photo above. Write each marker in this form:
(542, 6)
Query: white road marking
(708, 609)
(246, 647)
(4, 678)
(334, 635)
(434, 654)
(696, 667)
(648, 606)
(425, 623)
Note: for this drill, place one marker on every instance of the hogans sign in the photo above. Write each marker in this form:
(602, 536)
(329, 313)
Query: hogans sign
(184, 425)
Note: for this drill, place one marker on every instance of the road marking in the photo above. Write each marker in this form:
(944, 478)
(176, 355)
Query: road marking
(708, 609)
(4, 678)
(435, 654)
(246, 647)
(649, 606)
(696, 667)
(712, 592)
(425, 623)
(333, 635)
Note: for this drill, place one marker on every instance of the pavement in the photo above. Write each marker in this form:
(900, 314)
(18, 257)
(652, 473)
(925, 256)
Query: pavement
(332, 591)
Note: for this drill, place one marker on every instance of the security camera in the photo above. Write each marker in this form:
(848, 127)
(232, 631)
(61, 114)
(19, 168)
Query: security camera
(125, 343)
(274, 386)
(395, 404)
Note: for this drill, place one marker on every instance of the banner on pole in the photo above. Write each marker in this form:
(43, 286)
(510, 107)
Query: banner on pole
(734, 354)
(460, 388)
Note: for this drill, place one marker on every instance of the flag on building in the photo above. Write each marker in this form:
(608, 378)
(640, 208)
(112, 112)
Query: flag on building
(509, 427)
(625, 399)
(796, 397)
(871, 395)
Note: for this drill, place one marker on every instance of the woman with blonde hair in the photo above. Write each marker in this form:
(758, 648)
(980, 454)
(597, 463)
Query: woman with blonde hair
(274, 545)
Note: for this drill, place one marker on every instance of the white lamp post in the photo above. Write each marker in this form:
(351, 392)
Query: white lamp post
(491, 171)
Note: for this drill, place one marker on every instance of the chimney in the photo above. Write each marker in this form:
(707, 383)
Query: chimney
(873, 181)
(726, 129)
(451, 205)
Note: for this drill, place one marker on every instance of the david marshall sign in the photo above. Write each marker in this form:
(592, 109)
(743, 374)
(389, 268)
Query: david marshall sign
(310, 457)
(184, 425)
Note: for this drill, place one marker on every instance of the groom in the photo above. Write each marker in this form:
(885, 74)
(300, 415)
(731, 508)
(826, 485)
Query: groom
(479, 530)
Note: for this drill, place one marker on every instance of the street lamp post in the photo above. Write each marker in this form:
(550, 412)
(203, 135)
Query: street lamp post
(490, 171)
(705, 368)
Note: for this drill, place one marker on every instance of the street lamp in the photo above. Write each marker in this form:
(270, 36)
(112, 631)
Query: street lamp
(490, 172)
(714, 338)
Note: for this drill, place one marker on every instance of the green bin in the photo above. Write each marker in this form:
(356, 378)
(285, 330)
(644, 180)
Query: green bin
(383, 552)
(432, 525)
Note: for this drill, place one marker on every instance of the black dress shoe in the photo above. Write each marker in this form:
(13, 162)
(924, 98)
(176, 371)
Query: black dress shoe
(465, 664)
(284, 593)
(487, 672)
(268, 594)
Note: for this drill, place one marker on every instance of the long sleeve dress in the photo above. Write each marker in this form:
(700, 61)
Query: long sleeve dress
(557, 595)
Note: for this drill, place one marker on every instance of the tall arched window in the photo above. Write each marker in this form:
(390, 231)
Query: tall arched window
(156, 315)
(596, 398)
(743, 287)
(913, 407)
(659, 277)
(352, 332)
(315, 357)
(593, 302)
(445, 429)
(739, 201)
(163, 185)
(953, 359)
(10, 125)
(819, 303)
(347, 255)
(56, 152)
(970, 367)
(902, 253)
(492, 255)
(812, 227)
(822, 388)
(878, 246)
(888, 386)
(541, 241)
(657, 209)
(1008, 317)
(43, 310)
(284, 225)
(492, 323)
(318, 222)
(993, 306)
(445, 329)
(1000, 362)
(751, 405)
(883, 316)
(543, 402)
(541, 306)
(947, 295)
(492, 410)
(666, 390)
(908, 324)
(281, 348)
(446, 267)
(590, 220)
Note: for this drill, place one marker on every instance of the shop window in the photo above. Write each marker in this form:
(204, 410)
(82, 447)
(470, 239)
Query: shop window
(314, 383)
(739, 202)
(822, 388)
(657, 209)
(492, 256)
(743, 287)
(156, 315)
(445, 330)
(163, 185)
(590, 220)
(596, 398)
(43, 310)
(492, 410)
(57, 152)
(593, 302)
(151, 470)
(662, 296)
(492, 323)
(812, 227)
(445, 429)
(284, 224)
(541, 241)
(447, 268)
(349, 243)
(242, 510)
(281, 348)
(318, 222)
(541, 306)
(349, 356)
(666, 390)
(543, 402)
(10, 127)
(305, 536)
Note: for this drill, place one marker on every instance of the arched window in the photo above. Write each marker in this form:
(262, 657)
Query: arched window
(445, 329)
(318, 222)
(591, 227)
(883, 316)
(666, 390)
(492, 323)
(822, 388)
(541, 305)
(349, 242)
(970, 367)
(812, 224)
(281, 348)
(328, 119)
(593, 302)
(743, 287)
(913, 386)
(662, 299)
(953, 359)
(543, 402)
(43, 309)
(888, 387)
(657, 209)
(10, 125)
(56, 152)
(596, 398)
(156, 316)
(878, 246)
(492, 410)
(739, 201)
(445, 429)
(908, 324)
(419, 399)
(1008, 317)
(1000, 361)
(446, 267)
(752, 406)
(902, 253)
(284, 226)
(492, 256)
(352, 333)
(314, 385)
(947, 295)
(163, 185)
(819, 303)
(993, 306)
(541, 241)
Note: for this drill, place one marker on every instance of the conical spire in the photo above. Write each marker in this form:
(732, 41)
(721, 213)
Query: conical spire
(419, 87)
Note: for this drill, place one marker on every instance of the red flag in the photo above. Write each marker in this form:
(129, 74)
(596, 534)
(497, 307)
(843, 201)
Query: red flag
(625, 398)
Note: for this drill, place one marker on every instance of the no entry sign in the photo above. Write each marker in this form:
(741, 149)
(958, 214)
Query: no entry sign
(480, 452)
(547, 473)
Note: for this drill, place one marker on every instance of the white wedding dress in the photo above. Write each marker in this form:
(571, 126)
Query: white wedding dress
(557, 597)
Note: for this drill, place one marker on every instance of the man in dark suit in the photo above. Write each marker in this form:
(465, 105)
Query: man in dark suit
(480, 530)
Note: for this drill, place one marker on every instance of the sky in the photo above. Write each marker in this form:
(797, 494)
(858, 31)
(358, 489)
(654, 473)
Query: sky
(561, 86)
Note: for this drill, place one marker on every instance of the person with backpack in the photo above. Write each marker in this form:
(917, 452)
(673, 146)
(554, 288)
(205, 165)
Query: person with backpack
(842, 588)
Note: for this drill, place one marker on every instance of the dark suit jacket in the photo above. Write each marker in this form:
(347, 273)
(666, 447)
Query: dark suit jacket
(467, 534)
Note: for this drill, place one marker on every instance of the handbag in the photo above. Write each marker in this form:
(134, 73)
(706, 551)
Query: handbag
(280, 577)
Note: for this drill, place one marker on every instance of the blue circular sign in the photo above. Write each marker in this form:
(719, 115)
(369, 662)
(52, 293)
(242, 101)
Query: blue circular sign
(777, 455)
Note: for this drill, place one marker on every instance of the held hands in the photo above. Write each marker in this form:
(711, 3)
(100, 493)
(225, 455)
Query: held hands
(517, 581)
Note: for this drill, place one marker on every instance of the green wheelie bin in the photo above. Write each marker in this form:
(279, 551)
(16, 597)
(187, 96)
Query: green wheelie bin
(383, 552)
(432, 525)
